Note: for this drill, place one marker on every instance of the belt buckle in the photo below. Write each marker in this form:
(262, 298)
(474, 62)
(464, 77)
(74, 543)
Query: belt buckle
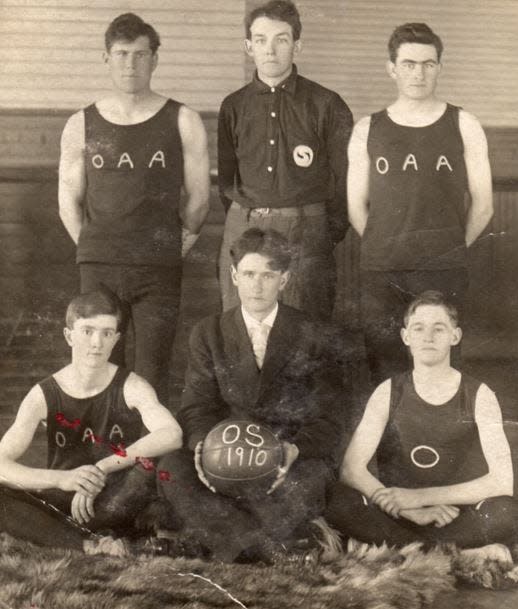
(262, 211)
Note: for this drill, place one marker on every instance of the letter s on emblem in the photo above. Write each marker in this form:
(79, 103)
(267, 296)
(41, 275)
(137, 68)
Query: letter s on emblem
(302, 155)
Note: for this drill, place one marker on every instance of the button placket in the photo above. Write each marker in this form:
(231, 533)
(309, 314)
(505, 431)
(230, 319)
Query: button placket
(272, 131)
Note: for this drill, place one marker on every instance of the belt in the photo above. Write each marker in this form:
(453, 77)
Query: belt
(311, 209)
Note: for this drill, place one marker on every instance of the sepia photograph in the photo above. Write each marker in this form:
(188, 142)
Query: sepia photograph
(258, 304)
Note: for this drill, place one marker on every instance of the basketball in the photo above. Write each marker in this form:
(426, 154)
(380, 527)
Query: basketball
(239, 456)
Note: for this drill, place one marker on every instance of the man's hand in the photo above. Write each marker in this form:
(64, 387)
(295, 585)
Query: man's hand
(87, 479)
(199, 468)
(440, 515)
(82, 508)
(291, 452)
(393, 500)
(188, 240)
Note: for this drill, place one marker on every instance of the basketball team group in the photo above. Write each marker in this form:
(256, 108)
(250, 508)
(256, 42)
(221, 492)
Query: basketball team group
(428, 461)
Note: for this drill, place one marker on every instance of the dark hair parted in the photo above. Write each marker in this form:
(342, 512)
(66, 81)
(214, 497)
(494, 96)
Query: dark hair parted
(279, 10)
(91, 304)
(268, 243)
(435, 298)
(418, 33)
(129, 26)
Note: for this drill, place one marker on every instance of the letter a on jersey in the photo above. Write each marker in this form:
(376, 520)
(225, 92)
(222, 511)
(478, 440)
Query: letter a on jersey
(442, 161)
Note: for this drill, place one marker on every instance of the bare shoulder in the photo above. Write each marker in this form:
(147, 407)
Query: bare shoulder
(189, 121)
(137, 391)
(471, 130)
(486, 405)
(33, 406)
(73, 136)
(75, 125)
(361, 128)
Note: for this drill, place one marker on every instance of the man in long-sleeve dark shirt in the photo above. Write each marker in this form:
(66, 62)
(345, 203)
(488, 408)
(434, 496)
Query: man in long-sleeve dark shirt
(282, 161)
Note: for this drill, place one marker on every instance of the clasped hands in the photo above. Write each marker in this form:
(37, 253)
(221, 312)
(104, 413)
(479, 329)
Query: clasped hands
(408, 503)
(87, 481)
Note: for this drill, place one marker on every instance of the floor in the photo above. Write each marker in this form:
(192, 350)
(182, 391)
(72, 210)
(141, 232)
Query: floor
(31, 346)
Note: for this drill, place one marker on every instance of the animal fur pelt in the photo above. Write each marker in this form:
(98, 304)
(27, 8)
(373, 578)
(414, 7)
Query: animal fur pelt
(365, 578)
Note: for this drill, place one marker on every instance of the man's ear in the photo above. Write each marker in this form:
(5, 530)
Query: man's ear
(298, 47)
(390, 66)
(106, 56)
(67, 334)
(404, 336)
(457, 336)
(248, 47)
(233, 274)
(285, 277)
(155, 61)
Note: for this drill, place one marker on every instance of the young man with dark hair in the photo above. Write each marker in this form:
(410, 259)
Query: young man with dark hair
(282, 161)
(94, 413)
(124, 160)
(269, 363)
(444, 470)
(411, 167)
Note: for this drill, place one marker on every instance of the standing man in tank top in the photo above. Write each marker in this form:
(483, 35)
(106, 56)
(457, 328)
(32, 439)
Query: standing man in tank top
(124, 161)
(411, 167)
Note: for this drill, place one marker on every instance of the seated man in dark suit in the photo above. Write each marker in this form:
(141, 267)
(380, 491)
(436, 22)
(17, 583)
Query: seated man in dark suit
(288, 378)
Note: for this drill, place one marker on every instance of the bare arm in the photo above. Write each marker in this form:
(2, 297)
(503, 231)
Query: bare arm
(498, 481)
(479, 176)
(365, 441)
(195, 169)
(358, 176)
(18, 438)
(72, 175)
(165, 435)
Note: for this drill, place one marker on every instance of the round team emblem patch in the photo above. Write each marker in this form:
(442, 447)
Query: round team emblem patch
(424, 456)
(302, 155)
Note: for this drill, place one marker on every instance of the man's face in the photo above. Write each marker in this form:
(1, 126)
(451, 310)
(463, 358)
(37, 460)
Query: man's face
(430, 334)
(131, 64)
(416, 70)
(257, 284)
(92, 339)
(272, 48)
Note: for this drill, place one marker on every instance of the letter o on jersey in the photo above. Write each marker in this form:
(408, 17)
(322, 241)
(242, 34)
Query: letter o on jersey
(97, 161)
(382, 165)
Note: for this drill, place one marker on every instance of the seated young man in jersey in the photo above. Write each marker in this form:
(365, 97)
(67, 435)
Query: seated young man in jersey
(292, 383)
(444, 470)
(94, 411)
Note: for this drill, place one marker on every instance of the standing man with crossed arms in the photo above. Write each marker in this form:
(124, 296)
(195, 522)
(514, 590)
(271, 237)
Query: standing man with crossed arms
(124, 160)
(282, 161)
(411, 166)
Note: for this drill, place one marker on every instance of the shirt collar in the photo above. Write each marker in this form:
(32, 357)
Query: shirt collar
(288, 84)
(251, 322)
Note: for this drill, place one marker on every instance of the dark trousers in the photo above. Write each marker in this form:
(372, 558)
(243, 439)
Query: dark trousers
(312, 285)
(150, 297)
(384, 299)
(495, 520)
(227, 526)
(44, 517)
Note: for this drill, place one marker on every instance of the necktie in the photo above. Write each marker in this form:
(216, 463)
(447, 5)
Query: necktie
(259, 342)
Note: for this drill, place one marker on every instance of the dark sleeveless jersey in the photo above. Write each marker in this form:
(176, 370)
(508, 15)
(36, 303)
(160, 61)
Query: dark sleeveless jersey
(427, 445)
(134, 175)
(81, 431)
(417, 195)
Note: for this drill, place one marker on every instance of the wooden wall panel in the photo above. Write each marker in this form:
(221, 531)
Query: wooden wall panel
(344, 48)
(50, 50)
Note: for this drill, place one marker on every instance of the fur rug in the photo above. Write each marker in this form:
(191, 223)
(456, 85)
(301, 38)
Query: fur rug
(367, 577)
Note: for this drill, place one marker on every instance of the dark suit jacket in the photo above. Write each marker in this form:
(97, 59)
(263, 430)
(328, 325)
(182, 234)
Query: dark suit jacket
(298, 393)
